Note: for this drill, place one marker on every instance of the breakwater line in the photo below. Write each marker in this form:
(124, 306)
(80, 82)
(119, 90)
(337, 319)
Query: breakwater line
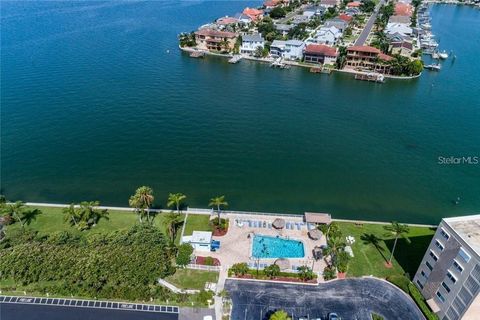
(212, 212)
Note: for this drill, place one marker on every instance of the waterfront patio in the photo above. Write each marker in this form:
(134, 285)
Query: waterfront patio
(236, 245)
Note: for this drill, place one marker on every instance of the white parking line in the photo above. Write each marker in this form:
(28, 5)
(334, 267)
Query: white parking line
(90, 304)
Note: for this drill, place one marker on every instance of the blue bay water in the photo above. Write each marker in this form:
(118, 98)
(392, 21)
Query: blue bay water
(96, 99)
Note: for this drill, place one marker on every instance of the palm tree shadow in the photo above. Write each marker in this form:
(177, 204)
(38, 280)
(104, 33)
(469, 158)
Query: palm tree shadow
(30, 216)
(371, 239)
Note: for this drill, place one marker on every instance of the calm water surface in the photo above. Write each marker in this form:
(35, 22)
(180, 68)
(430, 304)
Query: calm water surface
(96, 100)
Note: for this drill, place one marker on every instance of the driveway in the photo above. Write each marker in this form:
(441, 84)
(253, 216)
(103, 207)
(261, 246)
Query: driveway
(350, 299)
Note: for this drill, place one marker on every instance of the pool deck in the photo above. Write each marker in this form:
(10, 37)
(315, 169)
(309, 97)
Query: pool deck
(236, 246)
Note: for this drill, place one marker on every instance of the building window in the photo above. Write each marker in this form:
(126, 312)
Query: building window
(457, 266)
(420, 284)
(451, 277)
(444, 234)
(429, 266)
(464, 255)
(423, 274)
(439, 245)
(446, 287)
(434, 257)
(439, 295)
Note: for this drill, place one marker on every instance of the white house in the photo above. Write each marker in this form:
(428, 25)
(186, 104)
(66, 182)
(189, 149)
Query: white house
(250, 42)
(326, 35)
(200, 240)
(243, 18)
(294, 49)
(399, 28)
(277, 48)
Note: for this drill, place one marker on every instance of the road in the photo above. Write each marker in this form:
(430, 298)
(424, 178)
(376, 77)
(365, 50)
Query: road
(351, 299)
(368, 27)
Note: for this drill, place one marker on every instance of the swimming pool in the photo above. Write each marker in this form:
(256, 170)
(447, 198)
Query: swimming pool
(273, 247)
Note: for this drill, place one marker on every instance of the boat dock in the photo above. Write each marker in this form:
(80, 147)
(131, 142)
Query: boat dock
(373, 77)
(197, 54)
(279, 64)
(235, 59)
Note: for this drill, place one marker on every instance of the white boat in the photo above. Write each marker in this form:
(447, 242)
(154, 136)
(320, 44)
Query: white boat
(435, 55)
(433, 67)
(443, 54)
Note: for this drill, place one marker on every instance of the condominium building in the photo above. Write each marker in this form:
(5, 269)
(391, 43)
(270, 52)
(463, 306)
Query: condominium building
(449, 275)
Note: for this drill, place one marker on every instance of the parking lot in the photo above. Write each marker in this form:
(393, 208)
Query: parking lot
(351, 299)
(30, 308)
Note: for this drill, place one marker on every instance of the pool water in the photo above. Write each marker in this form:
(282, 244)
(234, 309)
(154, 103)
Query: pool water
(273, 247)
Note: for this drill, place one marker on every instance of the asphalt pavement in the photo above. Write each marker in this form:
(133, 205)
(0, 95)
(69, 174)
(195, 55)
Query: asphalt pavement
(352, 299)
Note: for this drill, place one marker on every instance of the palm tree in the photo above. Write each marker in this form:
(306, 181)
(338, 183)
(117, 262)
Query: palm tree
(335, 245)
(172, 220)
(90, 214)
(218, 202)
(142, 200)
(398, 230)
(280, 315)
(72, 215)
(175, 199)
(225, 44)
(16, 210)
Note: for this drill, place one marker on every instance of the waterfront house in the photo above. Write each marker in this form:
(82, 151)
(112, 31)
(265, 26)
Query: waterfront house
(400, 28)
(329, 3)
(226, 21)
(294, 49)
(243, 18)
(367, 58)
(210, 39)
(403, 48)
(400, 19)
(337, 23)
(403, 9)
(250, 43)
(321, 54)
(326, 35)
(397, 37)
(270, 4)
(277, 48)
(283, 28)
(254, 14)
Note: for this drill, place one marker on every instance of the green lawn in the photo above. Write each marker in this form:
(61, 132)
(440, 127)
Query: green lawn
(370, 260)
(197, 222)
(52, 220)
(192, 279)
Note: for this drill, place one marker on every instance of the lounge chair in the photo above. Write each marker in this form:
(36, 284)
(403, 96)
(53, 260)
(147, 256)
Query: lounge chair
(269, 226)
(298, 226)
(287, 225)
(264, 224)
(249, 223)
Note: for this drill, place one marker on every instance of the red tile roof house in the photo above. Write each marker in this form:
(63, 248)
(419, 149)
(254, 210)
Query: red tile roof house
(225, 21)
(319, 53)
(209, 39)
(354, 4)
(254, 14)
(269, 4)
(345, 17)
(367, 58)
(403, 9)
